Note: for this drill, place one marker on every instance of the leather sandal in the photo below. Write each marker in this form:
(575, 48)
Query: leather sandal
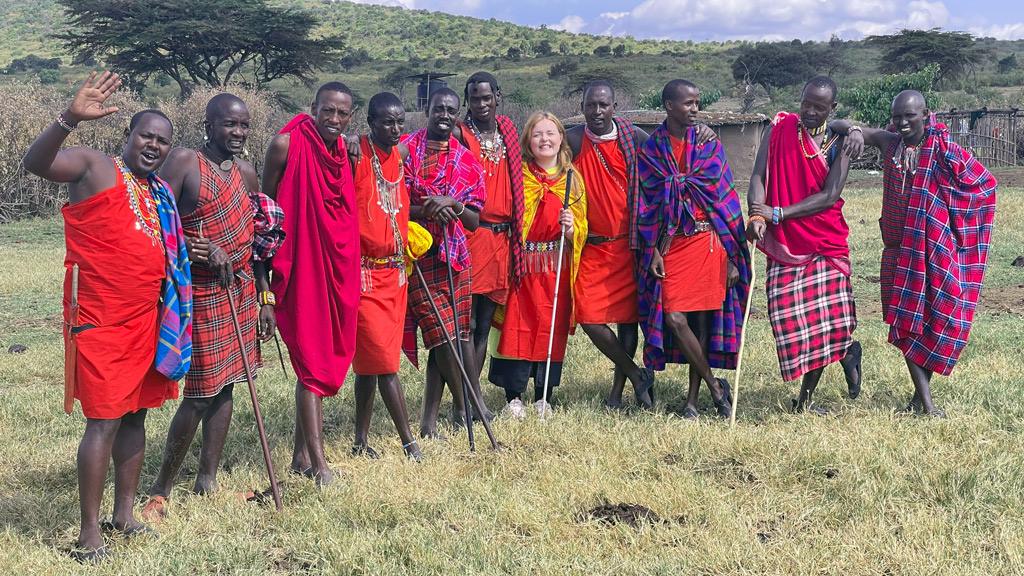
(851, 364)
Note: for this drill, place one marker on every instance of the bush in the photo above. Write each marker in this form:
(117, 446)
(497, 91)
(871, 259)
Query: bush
(651, 100)
(562, 68)
(871, 101)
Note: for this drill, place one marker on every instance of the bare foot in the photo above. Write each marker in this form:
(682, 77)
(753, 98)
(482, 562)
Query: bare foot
(205, 485)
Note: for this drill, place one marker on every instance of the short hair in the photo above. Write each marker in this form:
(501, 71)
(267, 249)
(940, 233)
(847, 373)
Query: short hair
(219, 103)
(822, 82)
(442, 91)
(481, 77)
(379, 102)
(671, 90)
(333, 86)
(143, 113)
(599, 83)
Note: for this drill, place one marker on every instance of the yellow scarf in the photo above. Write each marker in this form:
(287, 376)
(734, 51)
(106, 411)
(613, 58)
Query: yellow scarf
(532, 191)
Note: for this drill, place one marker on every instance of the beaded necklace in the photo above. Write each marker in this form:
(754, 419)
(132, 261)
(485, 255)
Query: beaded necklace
(823, 150)
(604, 164)
(140, 200)
(389, 200)
(492, 149)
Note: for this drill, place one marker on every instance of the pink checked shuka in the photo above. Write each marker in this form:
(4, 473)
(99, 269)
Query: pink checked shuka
(316, 270)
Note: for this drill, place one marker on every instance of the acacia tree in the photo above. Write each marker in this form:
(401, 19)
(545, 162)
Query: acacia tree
(773, 64)
(197, 42)
(955, 53)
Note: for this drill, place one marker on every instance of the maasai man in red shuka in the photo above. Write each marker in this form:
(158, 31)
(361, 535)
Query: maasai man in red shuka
(495, 248)
(383, 208)
(446, 193)
(938, 204)
(694, 264)
(605, 153)
(796, 215)
(127, 297)
(316, 271)
(215, 190)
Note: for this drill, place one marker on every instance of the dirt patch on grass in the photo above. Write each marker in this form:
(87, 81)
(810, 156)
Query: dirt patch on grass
(633, 515)
(995, 300)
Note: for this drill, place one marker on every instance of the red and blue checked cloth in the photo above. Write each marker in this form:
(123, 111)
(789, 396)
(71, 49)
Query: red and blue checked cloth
(812, 314)
(421, 313)
(936, 225)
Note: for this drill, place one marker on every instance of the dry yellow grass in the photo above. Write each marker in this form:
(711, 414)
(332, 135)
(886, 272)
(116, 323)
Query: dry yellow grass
(862, 491)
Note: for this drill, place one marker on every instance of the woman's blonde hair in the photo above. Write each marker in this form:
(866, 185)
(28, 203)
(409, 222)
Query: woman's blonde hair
(564, 151)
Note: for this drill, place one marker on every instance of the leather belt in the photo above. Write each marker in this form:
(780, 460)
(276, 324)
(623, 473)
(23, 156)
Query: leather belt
(497, 227)
(595, 240)
(698, 227)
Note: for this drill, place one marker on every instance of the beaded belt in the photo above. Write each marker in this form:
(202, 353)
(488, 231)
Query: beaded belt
(393, 261)
(541, 246)
(497, 227)
(603, 239)
(698, 227)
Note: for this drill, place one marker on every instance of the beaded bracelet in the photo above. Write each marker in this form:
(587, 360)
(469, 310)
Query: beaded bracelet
(758, 218)
(63, 123)
(459, 213)
(776, 215)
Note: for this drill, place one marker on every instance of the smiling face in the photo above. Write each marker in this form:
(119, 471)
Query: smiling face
(683, 106)
(816, 104)
(331, 112)
(545, 142)
(147, 144)
(598, 109)
(483, 102)
(441, 114)
(228, 130)
(910, 116)
(387, 125)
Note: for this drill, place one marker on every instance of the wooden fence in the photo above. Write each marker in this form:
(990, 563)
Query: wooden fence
(991, 135)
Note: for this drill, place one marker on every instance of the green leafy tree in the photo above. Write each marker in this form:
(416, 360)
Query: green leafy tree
(1008, 64)
(199, 42)
(773, 64)
(544, 48)
(619, 51)
(871, 101)
(955, 53)
(603, 51)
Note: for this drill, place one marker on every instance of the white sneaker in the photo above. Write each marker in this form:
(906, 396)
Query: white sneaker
(543, 408)
(515, 409)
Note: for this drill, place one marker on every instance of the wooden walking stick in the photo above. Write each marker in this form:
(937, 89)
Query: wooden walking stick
(274, 488)
(554, 307)
(71, 346)
(743, 334)
(467, 409)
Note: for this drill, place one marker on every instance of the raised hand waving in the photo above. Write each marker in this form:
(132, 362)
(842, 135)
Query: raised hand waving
(88, 103)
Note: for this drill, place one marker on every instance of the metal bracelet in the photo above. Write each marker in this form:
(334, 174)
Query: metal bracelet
(64, 124)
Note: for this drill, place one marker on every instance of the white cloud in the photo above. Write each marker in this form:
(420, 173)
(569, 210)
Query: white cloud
(1001, 31)
(777, 19)
(571, 23)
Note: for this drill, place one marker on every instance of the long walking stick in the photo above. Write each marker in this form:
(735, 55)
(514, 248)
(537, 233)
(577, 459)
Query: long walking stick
(477, 401)
(743, 334)
(280, 355)
(466, 408)
(554, 307)
(275, 490)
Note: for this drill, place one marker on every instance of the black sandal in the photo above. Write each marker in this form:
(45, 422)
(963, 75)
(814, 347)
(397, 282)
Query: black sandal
(851, 364)
(365, 450)
(724, 404)
(645, 388)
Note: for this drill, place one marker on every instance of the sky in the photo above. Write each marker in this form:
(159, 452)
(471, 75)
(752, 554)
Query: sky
(743, 19)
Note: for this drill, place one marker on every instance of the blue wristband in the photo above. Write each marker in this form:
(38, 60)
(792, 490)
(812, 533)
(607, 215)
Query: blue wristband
(776, 212)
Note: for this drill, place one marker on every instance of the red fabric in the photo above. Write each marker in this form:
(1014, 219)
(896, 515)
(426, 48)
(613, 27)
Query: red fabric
(490, 252)
(606, 192)
(680, 149)
(792, 177)
(527, 324)
(224, 214)
(316, 271)
(695, 274)
(121, 270)
(383, 297)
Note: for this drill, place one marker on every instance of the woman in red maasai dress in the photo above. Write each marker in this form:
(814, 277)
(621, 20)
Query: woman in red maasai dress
(525, 321)
(382, 202)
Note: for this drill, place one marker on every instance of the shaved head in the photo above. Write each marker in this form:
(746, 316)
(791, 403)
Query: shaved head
(379, 104)
(672, 90)
(909, 98)
(595, 84)
(220, 104)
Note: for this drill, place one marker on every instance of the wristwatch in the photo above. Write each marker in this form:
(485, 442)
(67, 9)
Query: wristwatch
(267, 298)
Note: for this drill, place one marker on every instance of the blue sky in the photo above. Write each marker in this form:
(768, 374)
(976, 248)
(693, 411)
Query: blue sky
(744, 19)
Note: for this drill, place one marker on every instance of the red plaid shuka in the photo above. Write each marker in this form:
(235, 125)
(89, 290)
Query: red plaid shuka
(449, 171)
(514, 158)
(936, 226)
(224, 214)
(812, 315)
(421, 313)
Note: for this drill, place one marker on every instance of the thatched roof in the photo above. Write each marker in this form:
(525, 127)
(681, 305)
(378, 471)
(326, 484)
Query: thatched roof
(652, 117)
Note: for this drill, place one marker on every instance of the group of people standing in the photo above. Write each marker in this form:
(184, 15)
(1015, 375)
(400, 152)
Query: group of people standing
(488, 240)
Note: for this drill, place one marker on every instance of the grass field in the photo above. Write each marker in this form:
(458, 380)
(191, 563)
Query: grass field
(862, 491)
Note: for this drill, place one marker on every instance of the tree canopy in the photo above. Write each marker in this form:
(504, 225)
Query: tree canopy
(955, 53)
(774, 65)
(199, 42)
(871, 100)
